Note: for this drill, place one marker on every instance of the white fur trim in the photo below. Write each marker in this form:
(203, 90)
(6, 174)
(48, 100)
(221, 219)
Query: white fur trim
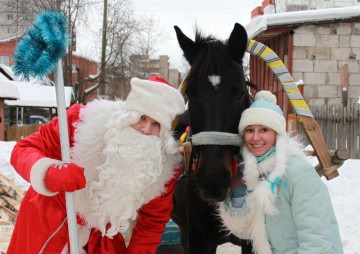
(157, 100)
(238, 222)
(38, 173)
(250, 221)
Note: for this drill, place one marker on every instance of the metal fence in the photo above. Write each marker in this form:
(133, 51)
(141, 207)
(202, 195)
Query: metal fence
(340, 126)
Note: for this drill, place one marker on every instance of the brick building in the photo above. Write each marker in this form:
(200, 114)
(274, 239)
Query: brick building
(82, 68)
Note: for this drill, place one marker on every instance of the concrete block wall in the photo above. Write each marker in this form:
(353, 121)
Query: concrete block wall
(320, 52)
(281, 5)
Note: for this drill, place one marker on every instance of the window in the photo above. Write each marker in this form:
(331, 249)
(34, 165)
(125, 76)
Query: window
(11, 4)
(75, 68)
(4, 60)
(10, 17)
(290, 8)
(10, 30)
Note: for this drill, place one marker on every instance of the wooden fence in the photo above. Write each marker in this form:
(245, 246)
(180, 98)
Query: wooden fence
(339, 125)
(17, 132)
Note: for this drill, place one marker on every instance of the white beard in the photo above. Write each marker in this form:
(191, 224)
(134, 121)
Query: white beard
(124, 172)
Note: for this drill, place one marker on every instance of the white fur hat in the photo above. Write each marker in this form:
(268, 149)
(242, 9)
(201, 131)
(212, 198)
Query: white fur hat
(264, 111)
(158, 100)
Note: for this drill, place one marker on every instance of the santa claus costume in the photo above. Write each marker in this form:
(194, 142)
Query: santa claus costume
(129, 175)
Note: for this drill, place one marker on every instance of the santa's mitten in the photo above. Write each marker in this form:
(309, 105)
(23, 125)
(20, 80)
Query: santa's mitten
(65, 177)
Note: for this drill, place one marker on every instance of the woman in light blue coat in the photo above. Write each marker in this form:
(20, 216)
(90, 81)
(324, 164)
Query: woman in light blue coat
(282, 205)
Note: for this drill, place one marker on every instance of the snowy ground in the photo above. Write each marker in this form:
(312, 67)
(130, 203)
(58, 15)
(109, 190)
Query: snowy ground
(344, 191)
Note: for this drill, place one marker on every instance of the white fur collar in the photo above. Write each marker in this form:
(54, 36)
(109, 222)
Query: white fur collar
(249, 222)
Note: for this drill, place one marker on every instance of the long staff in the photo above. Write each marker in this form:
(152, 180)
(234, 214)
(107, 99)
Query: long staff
(39, 53)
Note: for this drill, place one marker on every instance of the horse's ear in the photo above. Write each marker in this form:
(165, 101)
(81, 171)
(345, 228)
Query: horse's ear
(237, 43)
(187, 45)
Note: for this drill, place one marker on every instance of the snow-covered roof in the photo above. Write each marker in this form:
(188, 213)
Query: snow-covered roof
(8, 90)
(29, 94)
(261, 23)
(33, 95)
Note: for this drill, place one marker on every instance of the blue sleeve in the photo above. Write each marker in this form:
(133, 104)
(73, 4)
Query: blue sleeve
(312, 210)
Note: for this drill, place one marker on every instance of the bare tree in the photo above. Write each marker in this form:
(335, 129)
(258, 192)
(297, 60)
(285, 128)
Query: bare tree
(126, 34)
(71, 9)
(120, 33)
(149, 35)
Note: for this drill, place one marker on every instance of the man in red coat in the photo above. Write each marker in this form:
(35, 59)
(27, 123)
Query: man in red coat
(123, 167)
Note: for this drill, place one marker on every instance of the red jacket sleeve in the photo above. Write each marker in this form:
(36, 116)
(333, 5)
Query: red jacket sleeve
(151, 221)
(44, 143)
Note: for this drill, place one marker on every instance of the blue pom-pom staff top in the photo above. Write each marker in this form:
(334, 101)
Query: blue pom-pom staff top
(37, 53)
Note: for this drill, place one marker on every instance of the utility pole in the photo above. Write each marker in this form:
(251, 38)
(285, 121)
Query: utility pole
(69, 67)
(102, 81)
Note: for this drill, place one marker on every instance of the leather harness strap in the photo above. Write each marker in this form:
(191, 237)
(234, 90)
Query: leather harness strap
(185, 150)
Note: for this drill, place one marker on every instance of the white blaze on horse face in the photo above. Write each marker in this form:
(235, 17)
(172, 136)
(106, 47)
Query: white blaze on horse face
(214, 80)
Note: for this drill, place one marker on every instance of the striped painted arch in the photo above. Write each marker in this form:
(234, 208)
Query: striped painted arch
(279, 69)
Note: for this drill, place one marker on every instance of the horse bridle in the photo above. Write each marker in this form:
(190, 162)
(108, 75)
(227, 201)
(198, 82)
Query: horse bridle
(216, 138)
(206, 138)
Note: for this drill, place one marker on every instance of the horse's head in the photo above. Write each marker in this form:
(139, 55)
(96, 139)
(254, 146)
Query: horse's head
(218, 94)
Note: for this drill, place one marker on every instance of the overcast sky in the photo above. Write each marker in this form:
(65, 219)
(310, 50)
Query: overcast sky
(211, 16)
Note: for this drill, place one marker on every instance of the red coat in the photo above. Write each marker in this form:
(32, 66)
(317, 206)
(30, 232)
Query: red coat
(41, 225)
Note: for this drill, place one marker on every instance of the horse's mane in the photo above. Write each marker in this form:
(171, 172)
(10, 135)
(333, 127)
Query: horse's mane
(212, 58)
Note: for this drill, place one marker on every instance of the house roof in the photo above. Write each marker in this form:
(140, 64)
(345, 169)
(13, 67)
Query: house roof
(29, 94)
(34, 95)
(8, 90)
(261, 23)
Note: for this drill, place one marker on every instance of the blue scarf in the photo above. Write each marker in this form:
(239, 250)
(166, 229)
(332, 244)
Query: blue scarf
(266, 155)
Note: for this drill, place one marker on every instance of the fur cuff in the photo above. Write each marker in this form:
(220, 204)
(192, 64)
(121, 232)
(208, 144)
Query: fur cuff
(38, 173)
(237, 221)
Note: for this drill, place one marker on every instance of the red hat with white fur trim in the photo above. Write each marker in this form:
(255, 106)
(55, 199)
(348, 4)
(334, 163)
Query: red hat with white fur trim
(157, 99)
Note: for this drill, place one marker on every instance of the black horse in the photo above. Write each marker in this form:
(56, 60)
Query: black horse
(217, 95)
